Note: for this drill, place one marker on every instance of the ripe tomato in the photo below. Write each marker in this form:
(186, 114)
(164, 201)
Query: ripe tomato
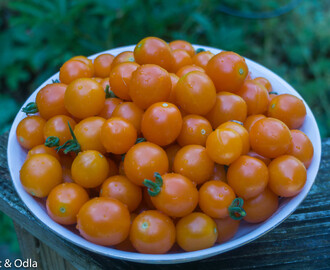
(123, 57)
(102, 65)
(174, 81)
(152, 50)
(118, 135)
(251, 119)
(171, 153)
(84, 98)
(287, 176)
(42, 149)
(89, 169)
(193, 162)
(227, 228)
(64, 202)
(104, 221)
(227, 107)
(241, 131)
(255, 96)
(181, 59)
(177, 196)
(152, 232)
(265, 83)
(143, 160)
(301, 147)
(289, 109)
(58, 126)
(30, 132)
(186, 69)
(161, 123)
(130, 112)
(263, 159)
(201, 59)
(109, 106)
(74, 69)
(227, 70)
(149, 84)
(224, 146)
(270, 137)
(50, 100)
(182, 45)
(195, 130)
(195, 93)
(219, 173)
(215, 197)
(247, 176)
(122, 189)
(120, 77)
(40, 174)
(88, 133)
(260, 208)
(196, 231)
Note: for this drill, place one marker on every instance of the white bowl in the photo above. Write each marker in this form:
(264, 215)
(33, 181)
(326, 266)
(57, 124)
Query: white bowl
(246, 233)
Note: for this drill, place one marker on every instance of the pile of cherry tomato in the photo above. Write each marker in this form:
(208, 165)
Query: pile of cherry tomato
(162, 149)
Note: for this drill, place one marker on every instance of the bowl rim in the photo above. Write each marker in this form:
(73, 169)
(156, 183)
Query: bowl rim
(170, 258)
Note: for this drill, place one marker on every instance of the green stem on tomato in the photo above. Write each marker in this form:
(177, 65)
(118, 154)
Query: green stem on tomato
(154, 187)
(109, 93)
(30, 108)
(70, 145)
(52, 141)
(236, 210)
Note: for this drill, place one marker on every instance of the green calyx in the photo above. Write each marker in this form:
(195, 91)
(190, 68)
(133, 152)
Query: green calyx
(139, 140)
(109, 93)
(200, 50)
(154, 187)
(70, 145)
(236, 210)
(30, 108)
(52, 141)
(56, 81)
(273, 93)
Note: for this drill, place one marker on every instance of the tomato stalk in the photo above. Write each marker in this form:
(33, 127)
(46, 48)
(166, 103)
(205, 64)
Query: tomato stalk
(70, 145)
(236, 210)
(109, 93)
(52, 141)
(154, 187)
(30, 108)
(139, 140)
(273, 93)
(200, 50)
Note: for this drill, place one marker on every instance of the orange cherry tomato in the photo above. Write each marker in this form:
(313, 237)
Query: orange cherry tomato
(30, 131)
(152, 232)
(118, 135)
(84, 98)
(247, 176)
(130, 112)
(174, 80)
(289, 109)
(105, 83)
(42, 149)
(40, 174)
(58, 126)
(287, 176)
(64, 202)
(219, 173)
(260, 208)
(193, 162)
(181, 59)
(227, 107)
(50, 100)
(196, 231)
(84, 59)
(143, 160)
(177, 196)
(271, 96)
(74, 69)
(251, 119)
(195, 130)
(265, 83)
(102, 65)
(89, 169)
(201, 59)
(270, 137)
(195, 93)
(224, 146)
(149, 84)
(109, 106)
(153, 50)
(104, 221)
(227, 70)
(215, 197)
(88, 133)
(171, 153)
(241, 131)
(263, 159)
(122, 189)
(120, 77)
(123, 57)
(186, 69)
(161, 123)
(227, 228)
(255, 96)
(182, 45)
(301, 147)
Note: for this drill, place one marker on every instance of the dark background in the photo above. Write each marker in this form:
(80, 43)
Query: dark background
(292, 38)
